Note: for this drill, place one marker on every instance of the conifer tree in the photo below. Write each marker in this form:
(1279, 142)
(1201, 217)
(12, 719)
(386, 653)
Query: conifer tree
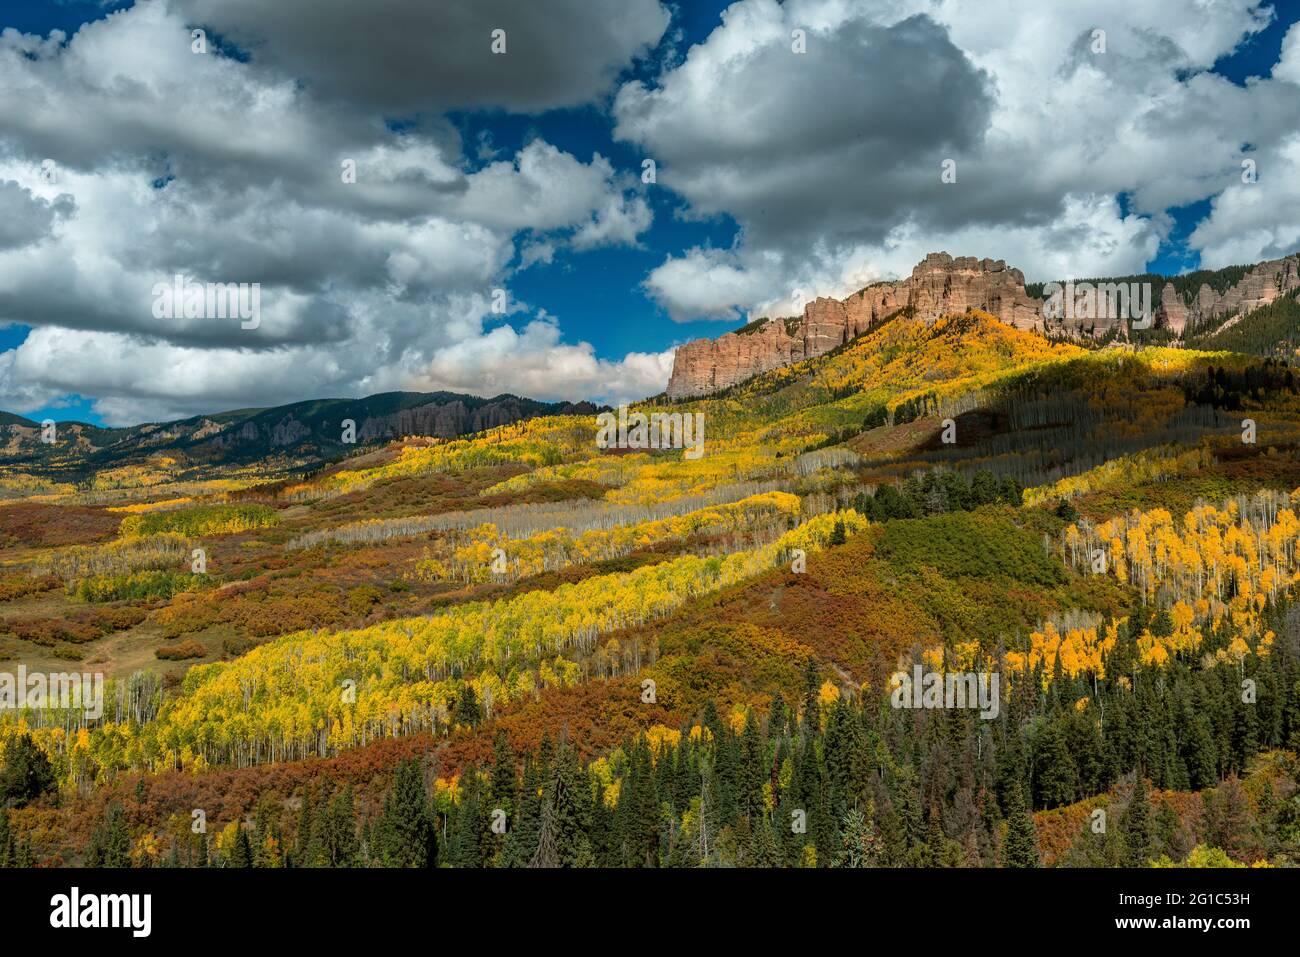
(110, 844)
(860, 844)
(406, 834)
(1020, 846)
(27, 772)
(1136, 826)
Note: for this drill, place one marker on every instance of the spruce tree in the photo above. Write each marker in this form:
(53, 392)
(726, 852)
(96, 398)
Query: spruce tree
(306, 828)
(110, 844)
(343, 849)
(241, 852)
(27, 773)
(1020, 846)
(860, 844)
(1136, 827)
(407, 836)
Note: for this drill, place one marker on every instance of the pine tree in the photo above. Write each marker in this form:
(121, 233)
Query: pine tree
(468, 834)
(565, 815)
(241, 853)
(407, 837)
(860, 844)
(302, 856)
(1020, 846)
(838, 535)
(1056, 778)
(1135, 826)
(343, 849)
(27, 773)
(110, 844)
(762, 850)
(522, 836)
(467, 707)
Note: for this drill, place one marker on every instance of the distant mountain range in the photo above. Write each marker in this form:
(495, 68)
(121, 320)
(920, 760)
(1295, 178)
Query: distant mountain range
(300, 434)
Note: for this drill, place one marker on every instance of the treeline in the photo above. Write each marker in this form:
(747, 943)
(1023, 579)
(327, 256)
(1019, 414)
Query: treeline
(937, 492)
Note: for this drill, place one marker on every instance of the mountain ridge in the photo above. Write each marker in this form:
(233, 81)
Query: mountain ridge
(309, 431)
(941, 285)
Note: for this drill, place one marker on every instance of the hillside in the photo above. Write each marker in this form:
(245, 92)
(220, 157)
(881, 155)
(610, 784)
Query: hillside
(657, 660)
(284, 438)
(1272, 330)
(1192, 304)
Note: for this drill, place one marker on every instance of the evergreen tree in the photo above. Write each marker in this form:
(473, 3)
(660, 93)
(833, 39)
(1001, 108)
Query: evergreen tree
(110, 844)
(1020, 846)
(467, 708)
(27, 773)
(1136, 826)
(1056, 777)
(304, 850)
(406, 833)
(860, 844)
(342, 848)
(523, 833)
(241, 853)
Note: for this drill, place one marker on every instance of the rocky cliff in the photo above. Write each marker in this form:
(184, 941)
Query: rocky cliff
(1260, 286)
(943, 285)
(939, 285)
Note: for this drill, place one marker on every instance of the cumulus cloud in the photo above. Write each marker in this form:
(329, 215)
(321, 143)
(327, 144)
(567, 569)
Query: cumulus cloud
(830, 160)
(374, 251)
(709, 283)
(329, 171)
(25, 218)
(1288, 64)
(535, 359)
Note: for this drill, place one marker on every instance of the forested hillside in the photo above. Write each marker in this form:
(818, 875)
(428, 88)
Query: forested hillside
(519, 648)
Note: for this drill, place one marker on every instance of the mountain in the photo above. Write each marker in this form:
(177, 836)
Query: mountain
(942, 285)
(300, 434)
(1272, 330)
(939, 285)
(928, 494)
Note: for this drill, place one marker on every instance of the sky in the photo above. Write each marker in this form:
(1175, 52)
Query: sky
(503, 231)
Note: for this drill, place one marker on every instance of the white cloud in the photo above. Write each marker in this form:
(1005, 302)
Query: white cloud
(226, 171)
(830, 160)
(1288, 64)
(535, 361)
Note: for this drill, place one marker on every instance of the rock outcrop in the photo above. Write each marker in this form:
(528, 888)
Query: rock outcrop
(939, 285)
(1259, 287)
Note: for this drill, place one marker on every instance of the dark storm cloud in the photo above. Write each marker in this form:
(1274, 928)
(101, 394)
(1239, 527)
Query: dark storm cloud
(402, 57)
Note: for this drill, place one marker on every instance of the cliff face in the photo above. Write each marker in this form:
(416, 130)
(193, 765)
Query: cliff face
(1259, 287)
(940, 285)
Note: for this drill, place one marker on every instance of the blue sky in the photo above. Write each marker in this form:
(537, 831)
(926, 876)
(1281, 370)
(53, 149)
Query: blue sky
(736, 223)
